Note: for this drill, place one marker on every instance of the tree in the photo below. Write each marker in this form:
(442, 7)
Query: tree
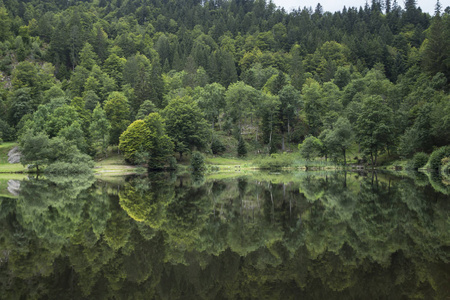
(145, 109)
(88, 58)
(212, 102)
(5, 25)
(114, 66)
(289, 105)
(340, 138)
(34, 149)
(75, 135)
(241, 148)
(374, 127)
(100, 129)
(314, 106)
(185, 124)
(241, 99)
(118, 114)
(310, 148)
(297, 71)
(436, 57)
(147, 138)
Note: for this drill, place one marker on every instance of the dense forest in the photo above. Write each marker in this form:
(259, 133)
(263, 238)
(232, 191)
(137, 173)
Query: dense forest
(161, 79)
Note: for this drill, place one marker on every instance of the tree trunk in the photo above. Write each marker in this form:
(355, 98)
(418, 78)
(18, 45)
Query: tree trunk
(345, 159)
(282, 143)
(289, 130)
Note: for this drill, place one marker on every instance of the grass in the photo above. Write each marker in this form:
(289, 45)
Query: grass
(113, 165)
(5, 166)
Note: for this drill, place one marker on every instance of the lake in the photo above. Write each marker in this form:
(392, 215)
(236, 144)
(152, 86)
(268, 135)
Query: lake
(308, 235)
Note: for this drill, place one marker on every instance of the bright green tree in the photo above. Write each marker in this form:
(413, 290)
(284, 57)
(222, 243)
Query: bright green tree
(310, 148)
(147, 138)
(88, 58)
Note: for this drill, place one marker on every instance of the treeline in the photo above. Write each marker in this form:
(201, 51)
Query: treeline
(163, 77)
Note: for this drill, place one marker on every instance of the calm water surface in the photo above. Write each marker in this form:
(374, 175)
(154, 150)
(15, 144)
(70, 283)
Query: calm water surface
(260, 236)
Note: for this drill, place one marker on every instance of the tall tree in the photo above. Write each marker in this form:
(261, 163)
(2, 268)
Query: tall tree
(118, 114)
(186, 124)
(99, 130)
(374, 127)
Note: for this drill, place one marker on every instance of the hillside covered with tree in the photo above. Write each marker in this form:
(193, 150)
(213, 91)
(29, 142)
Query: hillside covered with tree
(159, 78)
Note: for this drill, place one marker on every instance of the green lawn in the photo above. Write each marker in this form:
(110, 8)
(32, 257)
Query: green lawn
(6, 167)
(113, 165)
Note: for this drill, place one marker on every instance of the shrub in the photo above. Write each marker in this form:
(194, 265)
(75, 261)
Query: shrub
(437, 156)
(418, 161)
(275, 161)
(197, 162)
(217, 147)
(66, 168)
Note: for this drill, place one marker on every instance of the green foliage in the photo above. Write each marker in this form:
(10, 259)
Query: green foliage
(197, 162)
(241, 148)
(217, 146)
(147, 136)
(310, 148)
(60, 155)
(186, 125)
(340, 138)
(374, 126)
(435, 161)
(275, 161)
(277, 76)
(118, 114)
(99, 130)
(7, 133)
(419, 160)
(145, 109)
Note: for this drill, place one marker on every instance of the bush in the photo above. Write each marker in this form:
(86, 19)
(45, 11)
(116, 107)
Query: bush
(197, 162)
(437, 156)
(275, 161)
(217, 147)
(66, 168)
(419, 160)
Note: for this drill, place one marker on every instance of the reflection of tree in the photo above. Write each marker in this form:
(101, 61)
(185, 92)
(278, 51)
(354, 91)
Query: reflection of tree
(315, 237)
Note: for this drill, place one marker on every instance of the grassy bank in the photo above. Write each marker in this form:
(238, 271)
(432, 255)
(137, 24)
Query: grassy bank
(5, 166)
(113, 165)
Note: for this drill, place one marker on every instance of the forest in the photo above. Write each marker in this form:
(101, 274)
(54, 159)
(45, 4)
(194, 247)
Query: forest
(160, 80)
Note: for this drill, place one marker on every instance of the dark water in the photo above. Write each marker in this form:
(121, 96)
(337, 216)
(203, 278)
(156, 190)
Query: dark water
(282, 236)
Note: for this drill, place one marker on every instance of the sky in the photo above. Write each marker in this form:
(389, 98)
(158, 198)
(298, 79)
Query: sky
(333, 5)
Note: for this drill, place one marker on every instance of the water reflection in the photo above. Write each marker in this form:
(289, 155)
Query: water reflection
(285, 236)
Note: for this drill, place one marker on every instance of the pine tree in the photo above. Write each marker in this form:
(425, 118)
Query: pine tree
(241, 148)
